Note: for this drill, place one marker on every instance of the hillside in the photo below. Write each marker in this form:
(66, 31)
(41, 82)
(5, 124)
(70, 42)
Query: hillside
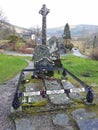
(9, 28)
(78, 31)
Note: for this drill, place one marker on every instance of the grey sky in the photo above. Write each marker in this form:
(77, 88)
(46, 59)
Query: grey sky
(24, 13)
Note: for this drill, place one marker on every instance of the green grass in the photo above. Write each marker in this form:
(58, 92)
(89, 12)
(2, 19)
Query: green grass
(82, 66)
(10, 66)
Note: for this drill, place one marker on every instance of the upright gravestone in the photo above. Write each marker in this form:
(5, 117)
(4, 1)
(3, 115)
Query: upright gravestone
(42, 57)
(44, 11)
(42, 62)
(54, 49)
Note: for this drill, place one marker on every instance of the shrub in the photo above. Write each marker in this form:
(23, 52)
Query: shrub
(69, 46)
(13, 39)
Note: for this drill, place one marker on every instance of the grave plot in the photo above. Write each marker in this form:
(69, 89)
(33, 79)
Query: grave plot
(74, 92)
(48, 92)
(45, 93)
(56, 94)
(31, 95)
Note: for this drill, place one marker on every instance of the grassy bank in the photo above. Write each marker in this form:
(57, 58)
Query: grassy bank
(10, 66)
(85, 69)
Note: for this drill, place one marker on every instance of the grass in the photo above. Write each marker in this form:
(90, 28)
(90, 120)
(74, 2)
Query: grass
(10, 66)
(85, 69)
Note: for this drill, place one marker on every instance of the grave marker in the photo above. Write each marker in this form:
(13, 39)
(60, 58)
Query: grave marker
(44, 11)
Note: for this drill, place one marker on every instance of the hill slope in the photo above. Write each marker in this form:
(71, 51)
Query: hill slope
(81, 30)
(14, 29)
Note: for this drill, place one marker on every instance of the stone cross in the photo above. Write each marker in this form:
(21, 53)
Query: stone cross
(44, 11)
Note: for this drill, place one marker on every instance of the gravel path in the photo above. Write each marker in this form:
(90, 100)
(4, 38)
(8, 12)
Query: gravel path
(7, 91)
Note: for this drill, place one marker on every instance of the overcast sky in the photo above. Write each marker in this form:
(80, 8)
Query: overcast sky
(25, 13)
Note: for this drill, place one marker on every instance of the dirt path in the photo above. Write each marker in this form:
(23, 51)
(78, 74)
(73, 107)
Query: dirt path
(7, 91)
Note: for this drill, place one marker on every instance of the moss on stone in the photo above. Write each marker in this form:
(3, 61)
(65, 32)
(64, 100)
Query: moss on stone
(35, 104)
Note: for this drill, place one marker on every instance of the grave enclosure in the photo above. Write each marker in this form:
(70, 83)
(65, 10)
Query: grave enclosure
(40, 91)
(46, 89)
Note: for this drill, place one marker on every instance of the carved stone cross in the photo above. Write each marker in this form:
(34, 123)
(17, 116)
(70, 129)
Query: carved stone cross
(44, 11)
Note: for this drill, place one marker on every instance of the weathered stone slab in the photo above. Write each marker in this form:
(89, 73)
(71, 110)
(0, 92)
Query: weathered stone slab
(68, 128)
(84, 121)
(88, 124)
(54, 50)
(36, 122)
(29, 87)
(23, 124)
(32, 92)
(40, 52)
(75, 95)
(58, 99)
(52, 85)
(74, 92)
(60, 119)
(67, 84)
(33, 99)
(81, 114)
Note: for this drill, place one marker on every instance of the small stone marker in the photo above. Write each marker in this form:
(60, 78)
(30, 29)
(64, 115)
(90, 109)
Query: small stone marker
(61, 120)
(86, 120)
(23, 124)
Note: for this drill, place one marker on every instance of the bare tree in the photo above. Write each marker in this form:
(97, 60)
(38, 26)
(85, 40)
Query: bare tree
(37, 32)
(4, 29)
(2, 18)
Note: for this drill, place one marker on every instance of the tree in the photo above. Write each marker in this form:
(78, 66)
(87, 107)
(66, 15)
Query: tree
(3, 28)
(37, 34)
(66, 34)
(94, 42)
(69, 46)
(13, 39)
(5, 32)
(2, 18)
(67, 37)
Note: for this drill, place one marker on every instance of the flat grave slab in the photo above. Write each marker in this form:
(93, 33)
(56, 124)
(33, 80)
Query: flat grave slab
(57, 95)
(52, 85)
(74, 92)
(54, 92)
(59, 99)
